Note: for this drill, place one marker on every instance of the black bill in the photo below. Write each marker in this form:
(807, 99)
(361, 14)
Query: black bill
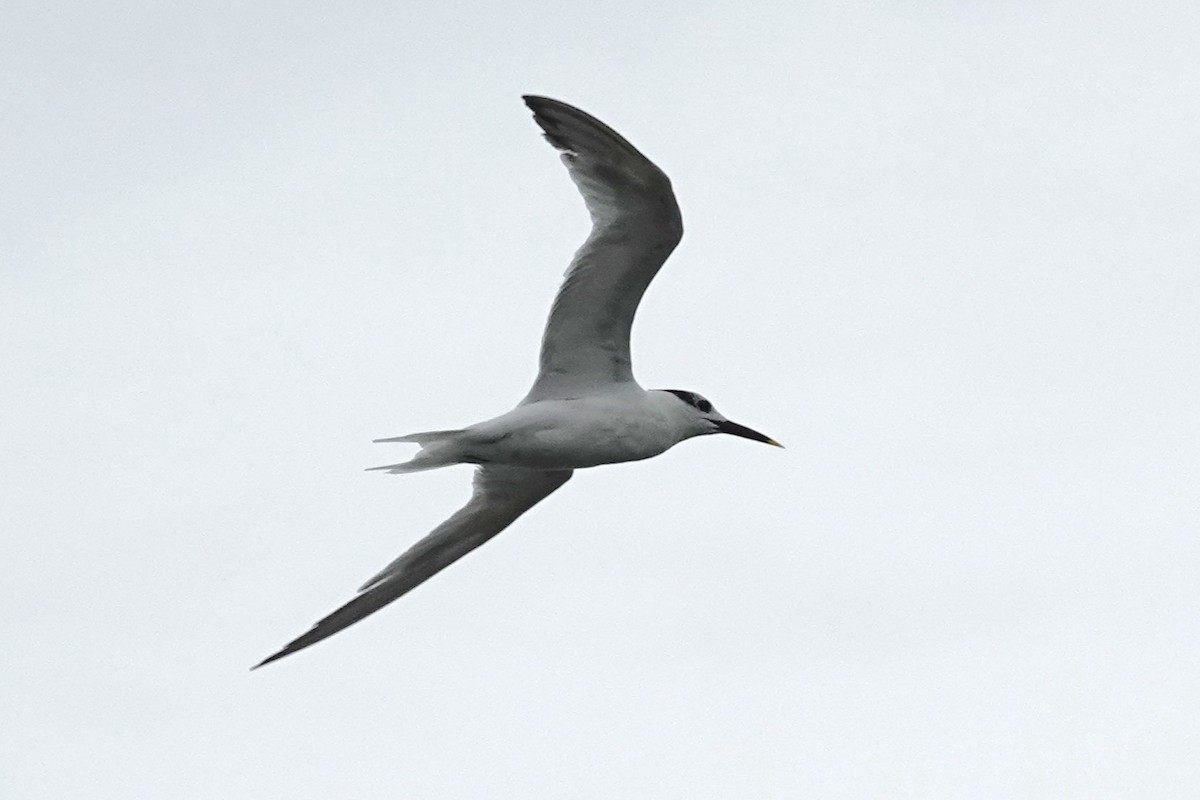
(725, 426)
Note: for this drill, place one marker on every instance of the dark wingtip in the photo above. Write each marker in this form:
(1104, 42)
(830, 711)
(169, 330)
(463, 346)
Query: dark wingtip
(540, 106)
(293, 647)
(271, 658)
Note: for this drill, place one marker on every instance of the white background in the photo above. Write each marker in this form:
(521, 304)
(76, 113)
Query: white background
(945, 251)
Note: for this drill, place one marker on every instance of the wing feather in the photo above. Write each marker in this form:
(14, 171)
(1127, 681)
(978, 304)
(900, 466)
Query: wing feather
(501, 494)
(635, 226)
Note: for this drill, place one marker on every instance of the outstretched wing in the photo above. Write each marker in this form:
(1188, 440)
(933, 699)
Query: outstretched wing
(501, 494)
(635, 226)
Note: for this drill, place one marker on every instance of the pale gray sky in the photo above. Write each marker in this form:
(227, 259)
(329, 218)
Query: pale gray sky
(946, 252)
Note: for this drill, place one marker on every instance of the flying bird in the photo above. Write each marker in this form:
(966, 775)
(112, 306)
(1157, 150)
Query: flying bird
(585, 408)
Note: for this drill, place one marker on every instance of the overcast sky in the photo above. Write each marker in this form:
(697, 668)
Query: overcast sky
(945, 251)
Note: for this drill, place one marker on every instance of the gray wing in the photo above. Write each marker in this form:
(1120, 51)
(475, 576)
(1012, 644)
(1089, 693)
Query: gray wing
(635, 226)
(501, 494)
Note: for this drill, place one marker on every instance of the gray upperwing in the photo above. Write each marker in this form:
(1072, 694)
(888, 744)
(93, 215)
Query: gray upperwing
(501, 494)
(635, 226)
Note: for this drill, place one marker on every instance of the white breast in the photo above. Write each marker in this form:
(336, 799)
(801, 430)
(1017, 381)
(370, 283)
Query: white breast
(572, 434)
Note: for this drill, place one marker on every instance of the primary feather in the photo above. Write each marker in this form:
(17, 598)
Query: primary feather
(635, 226)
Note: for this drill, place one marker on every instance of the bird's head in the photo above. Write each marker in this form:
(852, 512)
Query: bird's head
(697, 417)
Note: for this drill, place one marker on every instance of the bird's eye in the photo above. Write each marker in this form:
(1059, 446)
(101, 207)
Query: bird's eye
(704, 405)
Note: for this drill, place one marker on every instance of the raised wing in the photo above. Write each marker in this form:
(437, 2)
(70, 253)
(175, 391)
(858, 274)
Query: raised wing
(635, 226)
(501, 494)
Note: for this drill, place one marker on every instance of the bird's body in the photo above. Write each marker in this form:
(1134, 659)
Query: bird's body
(585, 408)
(622, 422)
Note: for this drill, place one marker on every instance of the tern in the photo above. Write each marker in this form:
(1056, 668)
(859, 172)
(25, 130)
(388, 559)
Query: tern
(585, 408)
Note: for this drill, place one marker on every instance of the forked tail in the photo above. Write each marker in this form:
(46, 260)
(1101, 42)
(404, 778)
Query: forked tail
(438, 449)
(425, 437)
